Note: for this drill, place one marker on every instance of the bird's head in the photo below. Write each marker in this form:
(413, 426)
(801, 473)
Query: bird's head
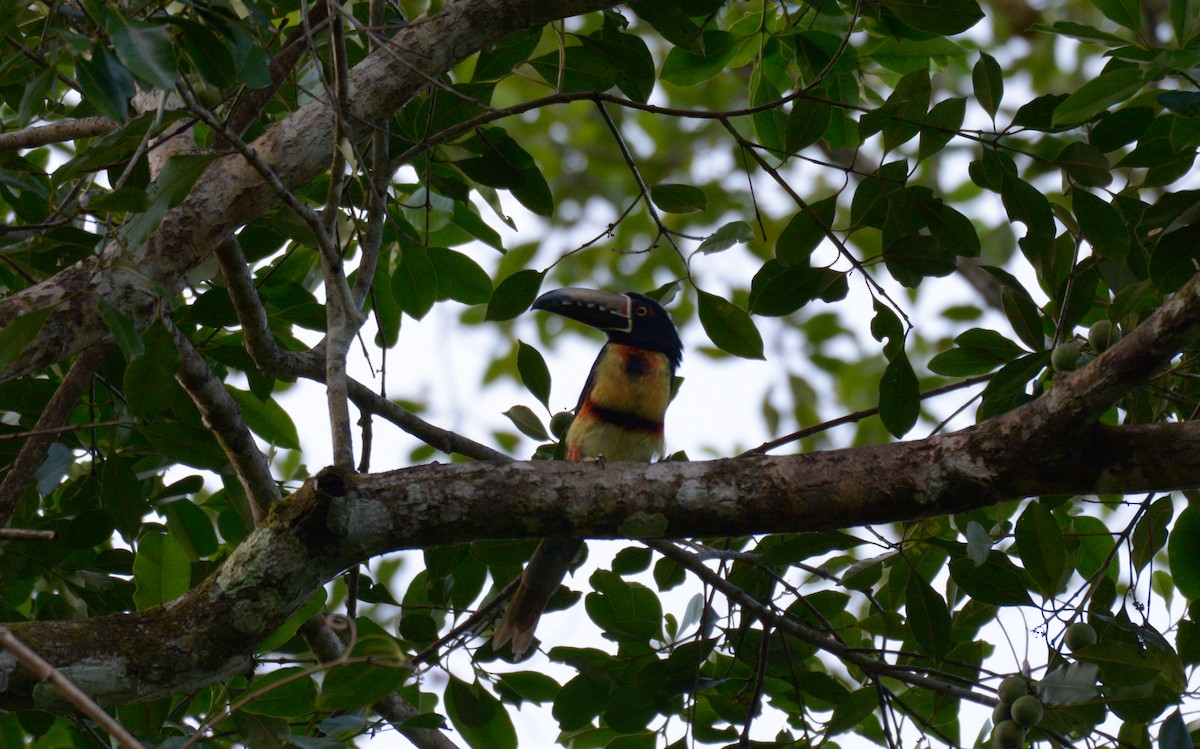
(630, 318)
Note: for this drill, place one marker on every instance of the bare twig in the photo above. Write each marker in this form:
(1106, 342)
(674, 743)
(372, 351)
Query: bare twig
(223, 415)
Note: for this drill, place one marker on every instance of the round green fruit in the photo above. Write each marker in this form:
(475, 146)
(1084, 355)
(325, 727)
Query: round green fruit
(1027, 711)
(1065, 356)
(1008, 735)
(1078, 636)
(1012, 688)
(1001, 713)
(1102, 335)
(560, 423)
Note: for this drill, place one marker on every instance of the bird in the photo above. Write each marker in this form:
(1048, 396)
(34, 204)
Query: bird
(619, 417)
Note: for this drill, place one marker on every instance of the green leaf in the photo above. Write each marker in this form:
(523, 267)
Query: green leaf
(478, 716)
(941, 125)
(1183, 553)
(912, 257)
(531, 686)
(354, 685)
(807, 228)
(729, 327)
(161, 570)
(1098, 94)
(1040, 544)
(928, 618)
(514, 295)
(1085, 164)
(1172, 261)
(123, 330)
(502, 163)
(1027, 204)
(941, 17)
(146, 49)
(976, 351)
(988, 80)
(676, 198)
(105, 83)
(150, 378)
(414, 281)
(526, 420)
(1174, 733)
(1002, 391)
(770, 125)
(778, 291)
(19, 332)
(1127, 13)
(1024, 316)
(737, 232)
(899, 396)
(498, 59)
(459, 277)
(266, 418)
(121, 496)
(996, 581)
(685, 67)
(190, 445)
(288, 692)
(1150, 533)
(534, 372)
(1102, 226)
(668, 19)
(807, 123)
(624, 610)
(190, 526)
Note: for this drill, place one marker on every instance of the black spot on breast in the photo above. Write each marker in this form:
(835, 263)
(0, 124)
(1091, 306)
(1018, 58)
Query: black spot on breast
(636, 365)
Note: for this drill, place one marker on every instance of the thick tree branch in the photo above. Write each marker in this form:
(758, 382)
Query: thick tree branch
(1049, 446)
(231, 193)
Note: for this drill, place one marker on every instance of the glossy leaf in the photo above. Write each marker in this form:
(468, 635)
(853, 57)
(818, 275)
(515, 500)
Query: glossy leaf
(1098, 94)
(1040, 543)
(479, 716)
(807, 228)
(988, 80)
(677, 198)
(534, 372)
(161, 570)
(928, 618)
(729, 327)
(146, 49)
(514, 295)
(1183, 552)
(899, 396)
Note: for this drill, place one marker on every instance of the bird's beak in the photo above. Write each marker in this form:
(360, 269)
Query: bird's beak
(604, 310)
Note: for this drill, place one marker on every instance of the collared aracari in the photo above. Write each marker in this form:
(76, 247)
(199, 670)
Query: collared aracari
(619, 417)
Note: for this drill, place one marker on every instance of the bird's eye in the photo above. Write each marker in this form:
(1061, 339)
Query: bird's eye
(641, 311)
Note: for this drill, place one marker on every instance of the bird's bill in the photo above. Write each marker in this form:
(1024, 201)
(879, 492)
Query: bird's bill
(604, 310)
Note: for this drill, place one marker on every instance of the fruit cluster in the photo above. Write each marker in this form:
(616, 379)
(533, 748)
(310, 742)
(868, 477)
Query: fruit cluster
(1018, 711)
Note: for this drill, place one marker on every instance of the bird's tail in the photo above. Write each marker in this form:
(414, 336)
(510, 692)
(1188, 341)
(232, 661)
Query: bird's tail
(548, 566)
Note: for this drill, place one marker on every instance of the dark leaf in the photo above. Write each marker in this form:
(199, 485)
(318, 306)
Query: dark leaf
(514, 294)
(534, 372)
(899, 396)
(729, 327)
